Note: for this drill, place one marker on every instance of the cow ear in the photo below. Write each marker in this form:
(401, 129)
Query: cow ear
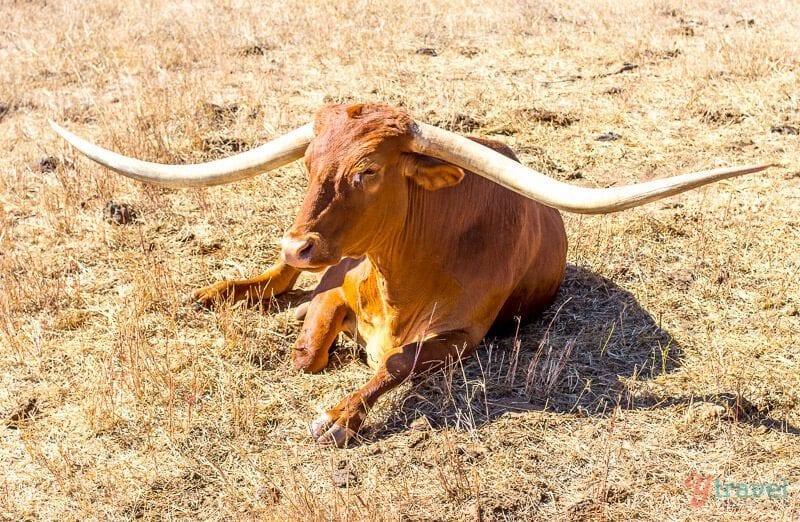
(354, 111)
(331, 113)
(431, 173)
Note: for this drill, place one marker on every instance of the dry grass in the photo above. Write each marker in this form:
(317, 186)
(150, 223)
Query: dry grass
(673, 347)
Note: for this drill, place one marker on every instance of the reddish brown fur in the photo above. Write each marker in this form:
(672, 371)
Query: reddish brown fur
(422, 258)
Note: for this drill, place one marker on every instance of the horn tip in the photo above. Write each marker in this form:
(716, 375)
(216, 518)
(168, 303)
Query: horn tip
(59, 129)
(763, 167)
(749, 169)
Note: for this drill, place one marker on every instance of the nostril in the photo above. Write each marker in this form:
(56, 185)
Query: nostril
(299, 251)
(305, 250)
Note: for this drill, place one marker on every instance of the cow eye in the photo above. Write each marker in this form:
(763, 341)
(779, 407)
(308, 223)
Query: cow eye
(362, 175)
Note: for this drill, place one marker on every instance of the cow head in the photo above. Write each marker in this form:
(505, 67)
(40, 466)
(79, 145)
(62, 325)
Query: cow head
(360, 171)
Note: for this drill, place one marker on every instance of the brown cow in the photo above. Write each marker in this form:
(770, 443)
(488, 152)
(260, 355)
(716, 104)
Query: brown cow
(423, 253)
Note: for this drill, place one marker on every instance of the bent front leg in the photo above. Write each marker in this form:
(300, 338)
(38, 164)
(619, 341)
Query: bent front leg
(340, 424)
(324, 319)
(278, 279)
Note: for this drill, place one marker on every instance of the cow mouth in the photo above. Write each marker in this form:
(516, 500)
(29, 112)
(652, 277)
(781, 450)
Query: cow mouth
(310, 265)
(316, 266)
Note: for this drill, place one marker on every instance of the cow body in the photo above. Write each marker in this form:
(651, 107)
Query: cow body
(421, 259)
(450, 268)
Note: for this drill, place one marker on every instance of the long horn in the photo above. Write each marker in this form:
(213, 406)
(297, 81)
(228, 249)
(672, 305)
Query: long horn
(272, 155)
(467, 154)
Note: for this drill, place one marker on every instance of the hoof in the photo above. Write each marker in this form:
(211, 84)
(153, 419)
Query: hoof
(326, 431)
(301, 311)
(208, 297)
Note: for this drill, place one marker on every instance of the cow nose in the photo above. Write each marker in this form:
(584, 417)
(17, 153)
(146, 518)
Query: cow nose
(298, 251)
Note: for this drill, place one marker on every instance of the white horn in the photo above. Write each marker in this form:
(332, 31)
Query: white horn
(467, 154)
(276, 153)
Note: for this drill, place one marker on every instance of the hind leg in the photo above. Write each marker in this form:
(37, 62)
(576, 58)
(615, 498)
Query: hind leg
(278, 279)
(538, 287)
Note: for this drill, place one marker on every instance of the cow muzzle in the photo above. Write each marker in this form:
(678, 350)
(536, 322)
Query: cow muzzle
(305, 252)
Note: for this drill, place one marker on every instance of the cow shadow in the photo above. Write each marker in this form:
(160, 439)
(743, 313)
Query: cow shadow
(595, 349)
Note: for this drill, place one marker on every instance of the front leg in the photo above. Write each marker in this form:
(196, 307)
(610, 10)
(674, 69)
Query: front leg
(324, 319)
(341, 423)
(278, 279)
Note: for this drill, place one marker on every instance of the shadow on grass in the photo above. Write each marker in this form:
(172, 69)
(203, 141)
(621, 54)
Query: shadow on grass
(584, 356)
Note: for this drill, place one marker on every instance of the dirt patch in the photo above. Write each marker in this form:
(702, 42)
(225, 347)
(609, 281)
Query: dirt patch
(722, 116)
(556, 119)
(427, 51)
(120, 213)
(785, 129)
(256, 49)
(22, 414)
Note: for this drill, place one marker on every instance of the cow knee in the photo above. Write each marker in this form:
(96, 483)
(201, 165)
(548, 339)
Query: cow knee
(398, 366)
(308, 360)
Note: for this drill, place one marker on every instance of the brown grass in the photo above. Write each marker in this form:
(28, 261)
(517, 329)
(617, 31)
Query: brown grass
(673, 347)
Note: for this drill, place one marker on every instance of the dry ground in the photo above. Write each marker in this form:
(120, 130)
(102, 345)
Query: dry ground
(673, 347)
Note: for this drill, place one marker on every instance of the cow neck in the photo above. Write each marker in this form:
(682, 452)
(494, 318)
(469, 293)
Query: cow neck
(388, 268)
(407, 263)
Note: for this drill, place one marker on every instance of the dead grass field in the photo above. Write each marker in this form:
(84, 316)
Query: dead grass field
(673, 347)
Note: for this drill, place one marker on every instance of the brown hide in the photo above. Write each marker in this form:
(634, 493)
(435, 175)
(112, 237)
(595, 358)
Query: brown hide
(422, 258)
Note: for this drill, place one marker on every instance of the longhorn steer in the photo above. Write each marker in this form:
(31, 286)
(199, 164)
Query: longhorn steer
(425, 248)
